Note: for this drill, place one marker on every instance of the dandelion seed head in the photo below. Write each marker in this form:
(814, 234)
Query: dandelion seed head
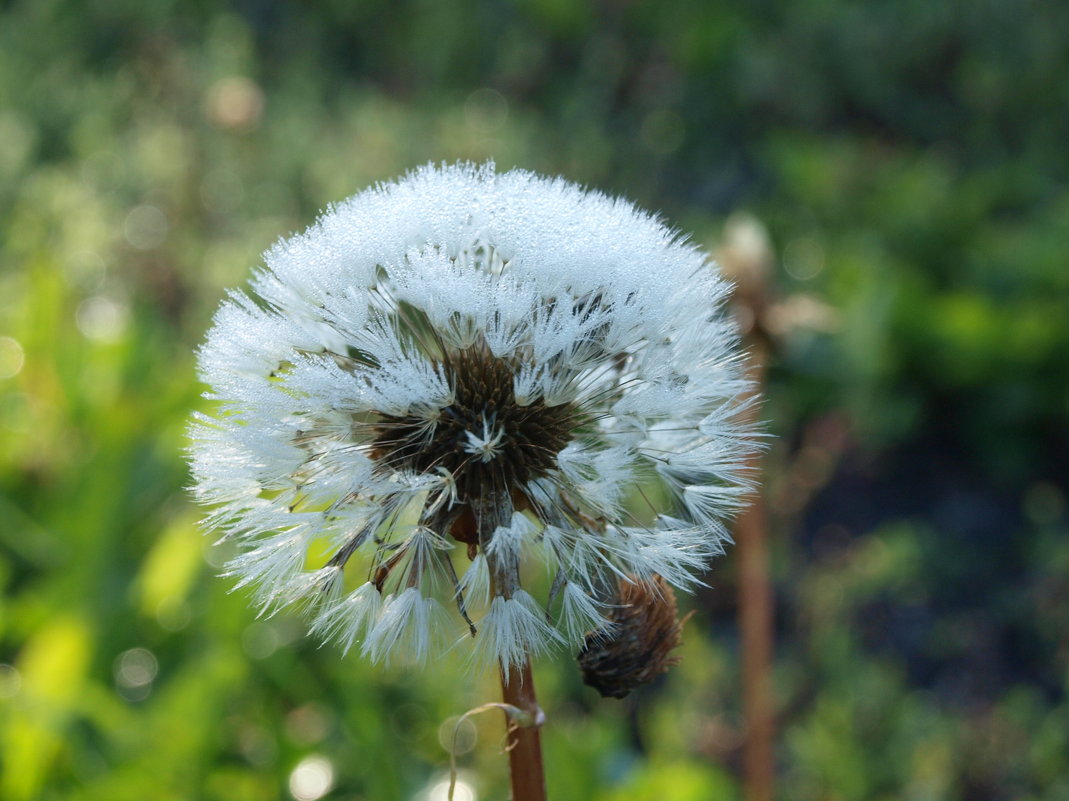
(458, 372)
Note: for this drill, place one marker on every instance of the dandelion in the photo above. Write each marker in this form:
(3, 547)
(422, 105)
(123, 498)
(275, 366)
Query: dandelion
(455, 377)
(451, 375)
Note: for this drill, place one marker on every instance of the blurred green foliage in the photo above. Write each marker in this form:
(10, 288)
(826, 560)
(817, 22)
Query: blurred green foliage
(907, 162)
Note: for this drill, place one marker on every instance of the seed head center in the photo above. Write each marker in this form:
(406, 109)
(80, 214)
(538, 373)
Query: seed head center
(486, 445)
(484, 437)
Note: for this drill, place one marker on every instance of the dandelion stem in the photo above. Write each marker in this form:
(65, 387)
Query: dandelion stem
(524, 742)
(493, 510)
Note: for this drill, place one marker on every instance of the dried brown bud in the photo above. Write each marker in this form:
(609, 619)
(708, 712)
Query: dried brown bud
(638, 647)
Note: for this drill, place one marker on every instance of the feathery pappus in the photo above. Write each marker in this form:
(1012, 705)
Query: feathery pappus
(452, 380)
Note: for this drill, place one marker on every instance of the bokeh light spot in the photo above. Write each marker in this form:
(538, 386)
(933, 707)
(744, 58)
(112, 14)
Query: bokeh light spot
(803, 258)
(313, 778)
(308, 724)
(102, 319)
(260, 640)
(136, 667)
(467, 735)
(173, 613)
(11, 357)
(235, 104)
(10, 681)
(134, 671)
(145, 227)
(462, 792)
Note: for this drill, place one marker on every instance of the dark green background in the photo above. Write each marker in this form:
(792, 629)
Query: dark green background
(906, 162)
